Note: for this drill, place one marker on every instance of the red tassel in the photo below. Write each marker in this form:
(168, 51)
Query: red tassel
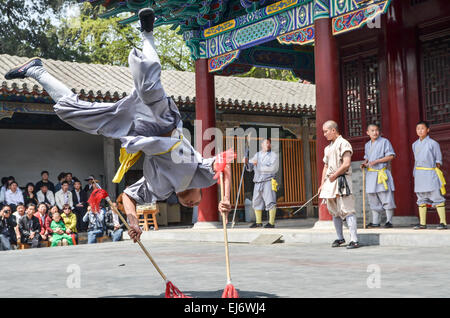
(95, 198)
(221, 162)
(230, 292)
(173, 292)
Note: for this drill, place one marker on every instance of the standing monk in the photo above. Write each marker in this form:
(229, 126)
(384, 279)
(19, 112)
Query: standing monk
(265, 165)
(378, 152)
(429, 182)
(336, 186)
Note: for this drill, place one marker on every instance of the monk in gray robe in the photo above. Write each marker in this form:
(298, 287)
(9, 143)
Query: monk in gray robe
(265, 165)
(378, 153)
(429, 182)
(147, 121)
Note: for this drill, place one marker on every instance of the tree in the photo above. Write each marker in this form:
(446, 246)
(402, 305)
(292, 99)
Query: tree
(26, 26)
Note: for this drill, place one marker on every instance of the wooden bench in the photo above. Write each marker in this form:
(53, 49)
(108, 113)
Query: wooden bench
(147, 216)
(101, 239)
(22, 246)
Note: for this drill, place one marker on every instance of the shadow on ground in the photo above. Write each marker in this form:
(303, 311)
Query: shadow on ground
(204, 294)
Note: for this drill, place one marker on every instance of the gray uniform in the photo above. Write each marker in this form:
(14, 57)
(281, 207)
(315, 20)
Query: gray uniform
(265, 170)
(171, 164)
(427, 154)
(379, 197)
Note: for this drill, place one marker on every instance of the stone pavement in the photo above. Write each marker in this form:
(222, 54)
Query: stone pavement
(302, 231)
(198, 268)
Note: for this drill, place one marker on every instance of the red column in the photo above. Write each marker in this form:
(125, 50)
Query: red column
(327, 91)
(399, 120)
(205, 112)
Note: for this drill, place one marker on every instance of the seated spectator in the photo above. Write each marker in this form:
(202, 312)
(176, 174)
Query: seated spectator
(64, 196)
(30, 228)
(46, 196)
(114, 225)
(7, 225)
(59, 231)
(70, 220)
(53, 209)
(61, 178)
(80, 198)
(20, 212)
(95, 225)
(44, 180)
(44, 221)
(3, 188)
(90, 186)
(29, 194)
(14, 195)
(69, 179)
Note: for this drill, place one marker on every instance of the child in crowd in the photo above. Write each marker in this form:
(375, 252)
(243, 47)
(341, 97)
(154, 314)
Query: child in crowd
(59, 229)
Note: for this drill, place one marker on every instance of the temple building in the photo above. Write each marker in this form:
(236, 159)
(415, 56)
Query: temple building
(383, 61)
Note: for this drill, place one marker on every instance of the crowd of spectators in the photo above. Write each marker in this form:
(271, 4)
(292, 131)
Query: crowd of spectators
(55, 213)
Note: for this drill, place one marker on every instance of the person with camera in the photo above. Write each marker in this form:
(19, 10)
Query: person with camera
(7, 225)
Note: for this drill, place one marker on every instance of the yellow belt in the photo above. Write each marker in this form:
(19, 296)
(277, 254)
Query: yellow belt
(274, 185)
(382, 176)
(127, 160)
(440, 175)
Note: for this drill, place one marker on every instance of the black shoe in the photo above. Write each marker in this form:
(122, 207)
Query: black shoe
(337, 243)
(20, 70)
(256, 225)
(371, 225)
(442, 226)
(388, 225)
(269, 226)
(420, 227)
(147, 18)
(353, 245)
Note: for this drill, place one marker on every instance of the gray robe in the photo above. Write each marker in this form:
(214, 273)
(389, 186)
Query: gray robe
(138, 120)
(379, 149)
(427, 153)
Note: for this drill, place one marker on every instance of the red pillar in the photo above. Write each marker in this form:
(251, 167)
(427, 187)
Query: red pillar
(400, 129)
(327, 91)
(205, 112)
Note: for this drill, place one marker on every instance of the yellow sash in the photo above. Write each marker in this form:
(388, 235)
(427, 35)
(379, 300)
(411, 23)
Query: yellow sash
(440, 175)
(274, 185)
(382, 176)
(127, 160)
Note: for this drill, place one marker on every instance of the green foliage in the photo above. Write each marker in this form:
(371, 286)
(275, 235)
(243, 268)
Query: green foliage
(276, 74)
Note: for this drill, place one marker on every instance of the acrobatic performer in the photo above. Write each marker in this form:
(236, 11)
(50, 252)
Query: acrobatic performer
(336, 186)
(379, 182)
(147, 121)
(265, 165)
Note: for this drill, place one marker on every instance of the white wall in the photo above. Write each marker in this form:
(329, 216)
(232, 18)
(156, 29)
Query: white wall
(25, 153)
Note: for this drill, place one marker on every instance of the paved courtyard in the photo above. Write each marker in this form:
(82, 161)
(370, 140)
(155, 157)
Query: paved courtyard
(198, 269)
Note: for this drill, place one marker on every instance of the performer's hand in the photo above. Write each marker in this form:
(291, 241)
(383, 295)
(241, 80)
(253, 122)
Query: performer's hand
(135, 233)
(364, 165)
(372, 163)
(255, 163)
(225, 208)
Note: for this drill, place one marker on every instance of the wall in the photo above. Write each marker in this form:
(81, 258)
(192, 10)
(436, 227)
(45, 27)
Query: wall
(25, 153)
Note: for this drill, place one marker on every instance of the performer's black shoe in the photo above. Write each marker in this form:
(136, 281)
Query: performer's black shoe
(256, 225)
(372, 226)
(269, 226)
(442, 226)
(388, 225)
(353, 245)
(20, 70)
(420, 227)
(147, 18)
(338, 243)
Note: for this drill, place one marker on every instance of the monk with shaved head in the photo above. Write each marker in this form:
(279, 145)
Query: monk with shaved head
(336, 187)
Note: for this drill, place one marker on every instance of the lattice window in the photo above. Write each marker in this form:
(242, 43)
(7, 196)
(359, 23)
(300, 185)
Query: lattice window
(352, 98)
(361, 94)
(435, 60)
